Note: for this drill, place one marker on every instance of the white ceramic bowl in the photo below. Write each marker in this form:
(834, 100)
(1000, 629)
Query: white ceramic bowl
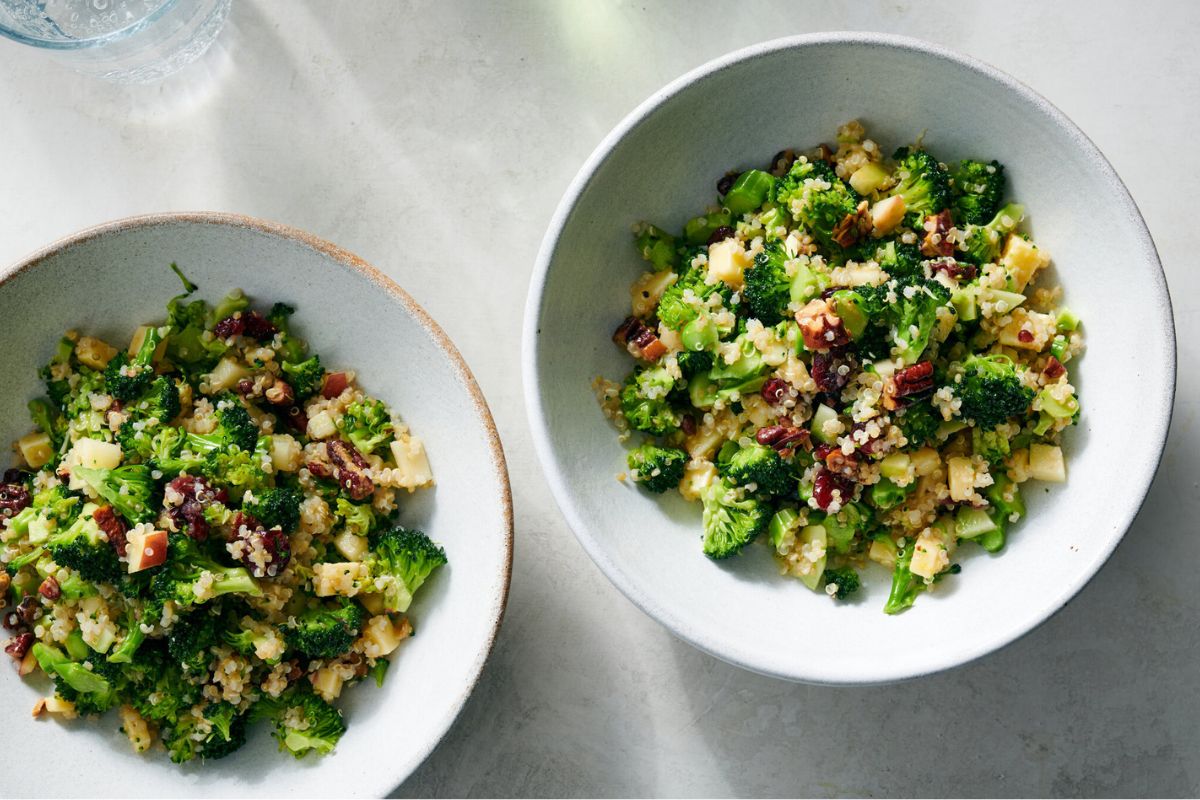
(107, 280)
(661, 164)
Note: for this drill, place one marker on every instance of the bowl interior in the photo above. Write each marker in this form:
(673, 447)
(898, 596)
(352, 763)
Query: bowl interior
(662, 165)
(105, 284)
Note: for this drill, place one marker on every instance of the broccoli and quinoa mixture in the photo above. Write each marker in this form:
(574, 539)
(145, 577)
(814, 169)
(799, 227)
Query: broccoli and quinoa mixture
(853, 356)
(200, 533)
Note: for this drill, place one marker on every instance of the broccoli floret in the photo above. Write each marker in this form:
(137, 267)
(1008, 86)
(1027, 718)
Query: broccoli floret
(168, 450)
(189, 570)
(992, 445)
(249, 636)
(127, 646)
(921, 181)
(656, 246)
(305, 377)
(845, 581)
(239, 469)
(312, 724)
(187, 345)
(730, 520)
(745, 375)
(675, 312)
(644, 401)
(818, 198)
(358, 518)
(899, 259)
(905, 585)
(126, 378)
(155, 673)
(768, 289)
(976, 191)
(129, 489)
(93, 691)
(277, 507)
(280, 315)
(915, 318)
(760, 465)
(221, 731)
(234, 425)
(982, 243)
(84, 548)
(991, 390)
(160, 402)
(693, 362)
(367, 423)
(326, 631)
(403, 559)
(230, 304)
(1006, 507)
(58, 389)
(47, 418)
(790, 185)
(919, 422)
(655, 468)
(191, 638)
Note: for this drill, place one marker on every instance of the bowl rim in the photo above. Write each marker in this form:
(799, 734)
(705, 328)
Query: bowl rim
(1163, 404)
(408, 763)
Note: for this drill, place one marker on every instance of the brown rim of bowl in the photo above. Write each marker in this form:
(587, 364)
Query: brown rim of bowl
(393, 289)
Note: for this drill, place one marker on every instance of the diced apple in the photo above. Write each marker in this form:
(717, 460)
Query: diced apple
(226, 374)
(146, 549)
(962, 478)
(55, 705)
(1046, 463)
(1022, 259)
(93, 352)
(286, 453)
(135, 728)
(321, 426)
(95, 454)
(351, 545)
(412, 464)
(327, 682)
(36, 449)
(381, 636)
(334, 384)
(880, 553)
(887, 214)
(727, 262)
(925, 461)
(647, 290)
(868, 178)
(696, 478)
(929, 555)
(372, 602)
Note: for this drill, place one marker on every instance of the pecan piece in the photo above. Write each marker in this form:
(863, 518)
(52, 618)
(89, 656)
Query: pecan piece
(641, 342)
(784, 439)
(955, 269)
(821, 327)
(19, 645)
(853, 226)
(113, 527)
(937, 242)
(782, 162)
(350, 469)
(27, 609)
(279, 393)
(50, 589)
(908, 382)
(334, 384)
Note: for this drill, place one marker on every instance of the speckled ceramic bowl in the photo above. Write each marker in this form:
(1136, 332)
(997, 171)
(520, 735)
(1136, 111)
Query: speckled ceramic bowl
(110, 278)
(661, 164)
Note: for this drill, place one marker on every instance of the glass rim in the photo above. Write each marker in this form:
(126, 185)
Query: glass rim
(95, 41)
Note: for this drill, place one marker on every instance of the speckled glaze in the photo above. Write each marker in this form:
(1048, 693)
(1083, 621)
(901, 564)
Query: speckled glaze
(107, 279)
(661, 164)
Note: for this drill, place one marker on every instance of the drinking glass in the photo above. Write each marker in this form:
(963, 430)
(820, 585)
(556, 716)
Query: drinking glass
(128, 41)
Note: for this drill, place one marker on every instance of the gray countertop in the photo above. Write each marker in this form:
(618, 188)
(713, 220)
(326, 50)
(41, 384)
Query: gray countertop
(435, 139)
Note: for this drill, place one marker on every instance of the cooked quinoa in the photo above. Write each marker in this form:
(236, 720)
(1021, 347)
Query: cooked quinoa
(859, 357)
(200, 532)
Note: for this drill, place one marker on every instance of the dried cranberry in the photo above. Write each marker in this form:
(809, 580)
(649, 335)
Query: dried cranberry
(113, 526)
(233, 325)
(245, 387)
(335, 383)
(187, 497)
(774, 391)
(19, 646)
(726, 183)
(13, 498)
(639, 339)
(954, 269)
(721, 234)
(14, 475)
(350, 468)
(826, 483)
(1025, 336)
(265, 553)
(937, 242)
(688, 424)
(319, 469)
(827, 371)
(1053, 369)
(256, 326)
(297, 418)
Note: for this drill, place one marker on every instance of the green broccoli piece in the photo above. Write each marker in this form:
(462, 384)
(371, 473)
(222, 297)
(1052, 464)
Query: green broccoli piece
(305, 377)
(886, 494)
(230, 304)
(982, 243)
(93, 691)
(845, 581)
(768, 289)
(238, 469)
(84, 548)
(992, 445)
(248, 636)
(358, 518)
(367, 423)
(276, 508)
(221, 731)
(1005, 507)
(404, 559)
(234, 425)
(921, 181)
(976, 191)
(905, 585)
(991, 390)
(191, 638)
(730, 520)
(127, 646)
(127, 379)
(326, 631)
(919, 422)
(189, 344)
(48, 419)
(674, 311)
(818, 198)
(762, 466)
(899, 259)
(160, 402)
(644, 401)
(129, 489)
(656, 246)
(914, 315)
(189, 570)
(168, 450)
(694, 362)
(155, 673)
(316, 728)
(655, 468)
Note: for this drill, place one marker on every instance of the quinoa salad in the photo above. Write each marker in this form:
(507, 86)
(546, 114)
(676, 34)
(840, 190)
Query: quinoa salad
(852, 358)
(200, 533)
